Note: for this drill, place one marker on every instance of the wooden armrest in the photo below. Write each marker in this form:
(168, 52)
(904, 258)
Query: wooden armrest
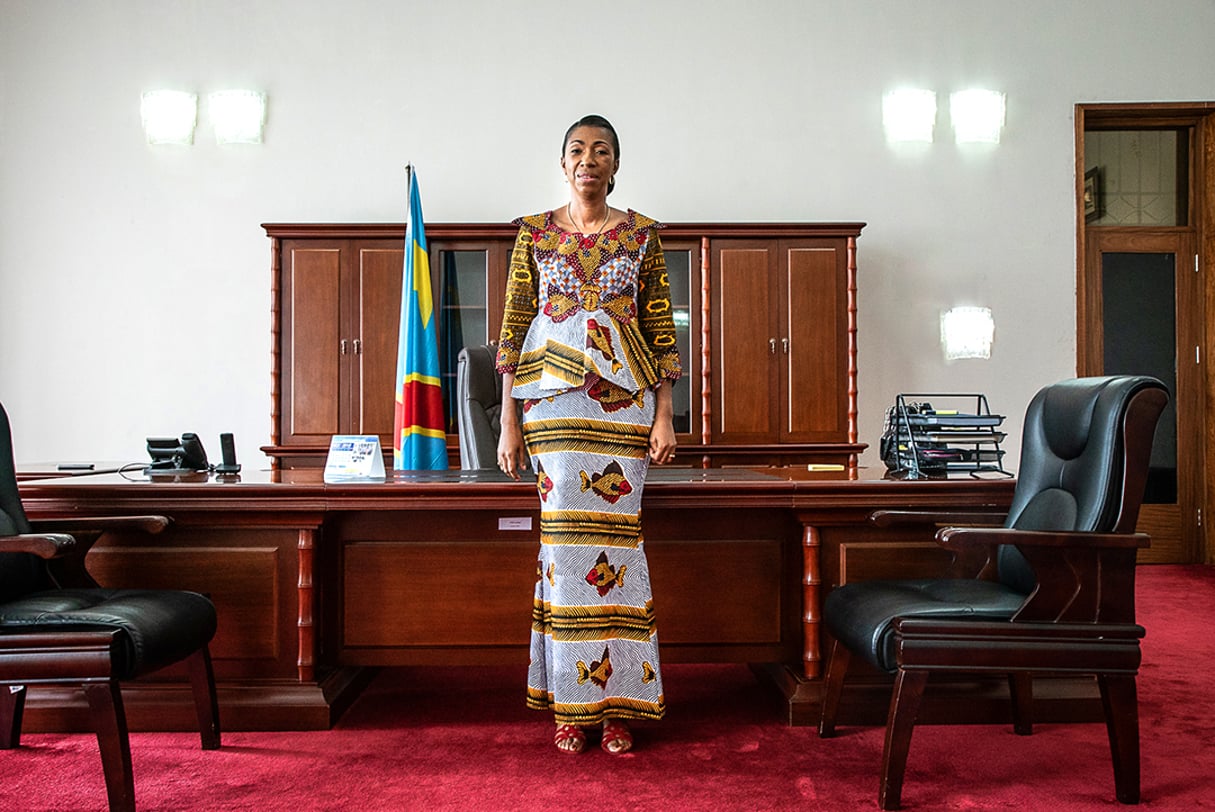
(102, 524)
(43, 545)
(892, 518)
(963, 537)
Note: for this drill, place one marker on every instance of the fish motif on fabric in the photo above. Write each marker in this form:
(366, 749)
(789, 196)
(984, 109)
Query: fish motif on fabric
(603, 576)
(544, 482)
(598, 672)
(552, 570)
(609, 485)
(599, 337)
(612, 398)
(648, 672)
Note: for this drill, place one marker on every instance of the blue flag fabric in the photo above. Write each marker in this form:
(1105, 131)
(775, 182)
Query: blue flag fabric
(419, 431)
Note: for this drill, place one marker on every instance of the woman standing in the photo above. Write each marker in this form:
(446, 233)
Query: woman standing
(588, 345)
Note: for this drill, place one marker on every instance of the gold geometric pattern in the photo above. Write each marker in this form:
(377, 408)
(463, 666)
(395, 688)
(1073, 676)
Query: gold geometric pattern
(581, 623)
(588, 436)
(588, 527)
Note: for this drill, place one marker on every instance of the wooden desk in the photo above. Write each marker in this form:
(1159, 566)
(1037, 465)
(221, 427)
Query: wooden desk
(316, 582)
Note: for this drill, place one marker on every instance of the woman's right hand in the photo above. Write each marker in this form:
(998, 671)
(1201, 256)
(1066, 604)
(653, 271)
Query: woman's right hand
(512, 456)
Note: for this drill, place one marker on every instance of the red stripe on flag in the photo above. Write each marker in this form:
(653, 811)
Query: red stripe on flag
(424, 405)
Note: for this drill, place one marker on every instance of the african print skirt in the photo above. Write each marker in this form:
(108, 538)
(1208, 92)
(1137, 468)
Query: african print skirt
(594, 643)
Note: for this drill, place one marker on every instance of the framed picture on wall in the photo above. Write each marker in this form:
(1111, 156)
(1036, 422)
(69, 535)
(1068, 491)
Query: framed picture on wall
(1092, 194)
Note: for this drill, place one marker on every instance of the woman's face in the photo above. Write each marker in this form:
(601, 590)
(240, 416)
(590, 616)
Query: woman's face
(589, 161)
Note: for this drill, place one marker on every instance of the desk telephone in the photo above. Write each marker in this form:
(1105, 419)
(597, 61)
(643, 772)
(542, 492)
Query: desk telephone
(171, 455)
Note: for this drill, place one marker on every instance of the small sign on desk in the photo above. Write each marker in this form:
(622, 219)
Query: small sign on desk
(354, 458)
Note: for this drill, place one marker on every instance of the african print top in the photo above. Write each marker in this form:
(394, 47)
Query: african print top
(580, 305)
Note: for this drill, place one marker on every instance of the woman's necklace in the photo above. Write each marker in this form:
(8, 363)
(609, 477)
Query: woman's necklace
(570, 214)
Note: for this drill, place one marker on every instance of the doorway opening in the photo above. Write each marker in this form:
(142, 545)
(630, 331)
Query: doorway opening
(1145, 214)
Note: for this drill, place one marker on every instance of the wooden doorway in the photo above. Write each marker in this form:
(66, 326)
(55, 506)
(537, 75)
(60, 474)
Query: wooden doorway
(1145, 232)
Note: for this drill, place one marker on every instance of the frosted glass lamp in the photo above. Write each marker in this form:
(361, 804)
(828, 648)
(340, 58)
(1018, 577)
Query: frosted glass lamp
(966, 332)
(909, 114)
(169, 116)
(238, 116)
(977, 116)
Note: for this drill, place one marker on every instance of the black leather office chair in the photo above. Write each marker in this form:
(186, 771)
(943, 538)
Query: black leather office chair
(57, 626)
(478, 407)
(1056, 594)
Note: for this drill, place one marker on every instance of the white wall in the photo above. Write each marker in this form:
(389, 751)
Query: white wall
(134, 280)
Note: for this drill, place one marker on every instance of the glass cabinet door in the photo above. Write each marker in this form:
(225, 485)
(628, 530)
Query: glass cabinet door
(463, 313)
(683, 272)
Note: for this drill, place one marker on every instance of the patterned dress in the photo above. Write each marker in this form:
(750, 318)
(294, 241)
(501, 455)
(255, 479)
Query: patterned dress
(588, 333)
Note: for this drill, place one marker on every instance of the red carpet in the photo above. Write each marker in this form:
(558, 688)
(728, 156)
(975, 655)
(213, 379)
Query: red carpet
(447, 739)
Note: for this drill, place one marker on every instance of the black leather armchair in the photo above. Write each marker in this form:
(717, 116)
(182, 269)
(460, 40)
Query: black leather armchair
(57, 626)
(1056, 593)
(479, 407)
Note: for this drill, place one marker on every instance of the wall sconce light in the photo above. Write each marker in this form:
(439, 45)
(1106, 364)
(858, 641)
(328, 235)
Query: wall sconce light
(239, 116)
(966, 332)
(169, 116)
(977, 115)
(909, 114)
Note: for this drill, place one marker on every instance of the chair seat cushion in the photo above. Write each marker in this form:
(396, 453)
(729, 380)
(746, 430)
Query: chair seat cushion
(161, 626)
(861, 615)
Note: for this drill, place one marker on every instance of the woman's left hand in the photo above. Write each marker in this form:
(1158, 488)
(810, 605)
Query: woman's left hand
(662, 441)
(662, 434)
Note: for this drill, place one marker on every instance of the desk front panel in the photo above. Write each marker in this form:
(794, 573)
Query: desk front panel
(456, 587)
(248, 568)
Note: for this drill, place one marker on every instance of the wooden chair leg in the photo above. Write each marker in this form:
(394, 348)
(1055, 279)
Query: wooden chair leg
(110, 723)
(206, 704)
(904, 708)
(1120, 699)
(1021, 688)
(12, 708)
(833, 687)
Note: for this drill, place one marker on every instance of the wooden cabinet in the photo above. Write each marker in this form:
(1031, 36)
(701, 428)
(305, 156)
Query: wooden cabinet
(338, 311)
(765, 317)
(780, 339)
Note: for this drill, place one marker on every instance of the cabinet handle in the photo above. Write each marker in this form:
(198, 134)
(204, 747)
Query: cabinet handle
(358, 346)
(771, 346)
(784, 345)
(342, 346)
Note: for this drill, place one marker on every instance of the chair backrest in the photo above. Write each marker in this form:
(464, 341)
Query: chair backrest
(1085, 450)
(479, 407)
(20, 573)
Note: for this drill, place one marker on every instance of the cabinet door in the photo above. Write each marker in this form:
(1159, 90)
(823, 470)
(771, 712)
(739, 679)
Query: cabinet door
(780, 341)
(813, 341)
(338, 345)
(310, 383)
(470, 292)
(375, 319)
(683, 258)
(745, 304)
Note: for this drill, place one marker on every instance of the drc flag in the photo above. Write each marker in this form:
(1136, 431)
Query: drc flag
(419, 435)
